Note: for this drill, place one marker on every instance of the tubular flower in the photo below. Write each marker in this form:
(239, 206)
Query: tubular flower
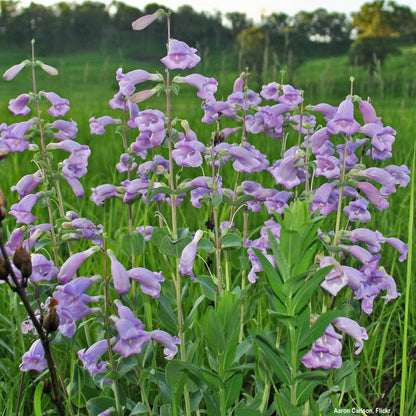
(188, 255)
(92, 355)
(73, 263)
(60, 106)
(343, 120)
(120, 276)
(168, 341)
(18, 106)
(180, 56)
(34, 359)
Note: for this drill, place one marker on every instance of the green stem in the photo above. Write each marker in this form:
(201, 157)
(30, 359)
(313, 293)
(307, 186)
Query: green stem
(107, 326)
(408, 288)
(341, 192)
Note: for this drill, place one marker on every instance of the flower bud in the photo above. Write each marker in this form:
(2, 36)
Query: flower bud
(23, 262)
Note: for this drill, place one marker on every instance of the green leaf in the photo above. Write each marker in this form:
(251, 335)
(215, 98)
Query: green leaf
(233, 389)
(97, 405)
(209, 288)
(239, 201)
(318, 328)
(37, 399)
(133, 244)
(282, 265)
(231, 240)
(273, 276)
(214, 332)
(302, 296)
(173, 248)
(166, 314)
(274, 357)
(139, 409)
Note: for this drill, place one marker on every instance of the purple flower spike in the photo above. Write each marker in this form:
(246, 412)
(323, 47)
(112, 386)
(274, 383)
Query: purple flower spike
(18, 106)
(22, 210)
(34, 359)
(92, 355)
(168, 341)
(188, 255)
(120, 276)
(352, 329)
(343, 121)
(149, 281)
(180, 56)
(60, 106)
(73, 263)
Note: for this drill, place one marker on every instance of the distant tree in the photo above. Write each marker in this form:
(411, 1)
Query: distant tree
(376, 36)
(250, 46)
(239, 21)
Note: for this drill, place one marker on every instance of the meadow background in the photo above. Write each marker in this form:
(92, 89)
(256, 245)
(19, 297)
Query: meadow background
(87, 79)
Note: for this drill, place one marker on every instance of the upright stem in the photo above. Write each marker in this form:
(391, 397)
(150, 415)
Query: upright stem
(107, 329)
(341, 192)
(43, 336)
(172, 185)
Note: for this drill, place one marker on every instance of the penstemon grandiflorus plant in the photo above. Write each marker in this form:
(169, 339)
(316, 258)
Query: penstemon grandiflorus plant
(243, 320)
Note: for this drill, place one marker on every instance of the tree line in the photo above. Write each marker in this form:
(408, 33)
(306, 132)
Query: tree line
(369, 34)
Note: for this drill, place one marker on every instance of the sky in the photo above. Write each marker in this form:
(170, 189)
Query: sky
(253, 8)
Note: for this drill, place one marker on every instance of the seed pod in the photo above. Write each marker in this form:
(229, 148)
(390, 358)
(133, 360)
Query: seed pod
(23, 261)
(51, 320)
(3, 269)
(3, 205)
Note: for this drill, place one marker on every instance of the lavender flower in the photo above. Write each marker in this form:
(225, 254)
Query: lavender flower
(180, 56)
(144, 21)
(92, 355)
(27, 184)
(42, 268)
(97, 125)
(352, 329)
(128, 81)
(73, 263)
(325, 352)
(18, 106)
(271, 91)
(291, 96)
(168, 341)
(34, 359)
(343, 120)
(60, 106)
(207, 87)
(14, 70)
(120, 276)
(357, 211)
(67, 130)
(188, 255)
(22, 210)
(103, 192)
(149, 281)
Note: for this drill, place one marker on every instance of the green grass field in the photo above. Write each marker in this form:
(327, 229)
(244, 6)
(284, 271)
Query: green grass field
(88, 81)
